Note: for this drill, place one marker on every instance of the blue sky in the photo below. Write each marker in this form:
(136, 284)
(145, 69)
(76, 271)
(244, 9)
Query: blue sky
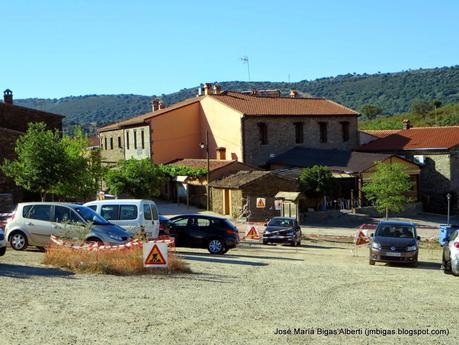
(59, 48)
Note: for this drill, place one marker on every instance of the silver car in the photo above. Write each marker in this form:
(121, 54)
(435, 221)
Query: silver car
(33, 223)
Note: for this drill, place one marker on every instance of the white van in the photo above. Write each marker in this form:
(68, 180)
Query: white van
(131, 214)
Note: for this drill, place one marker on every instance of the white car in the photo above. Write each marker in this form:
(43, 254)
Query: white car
(451, 254)
(2, 242)
(131, 214)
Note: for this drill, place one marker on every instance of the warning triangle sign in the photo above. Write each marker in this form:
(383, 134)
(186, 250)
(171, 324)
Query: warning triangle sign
(261, 203)
(252, 234)
(155, 257)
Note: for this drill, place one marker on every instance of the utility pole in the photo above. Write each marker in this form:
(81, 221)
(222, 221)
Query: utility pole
(245, 59)
(205, 146)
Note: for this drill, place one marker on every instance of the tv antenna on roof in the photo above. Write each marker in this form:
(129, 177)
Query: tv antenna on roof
(245, 59)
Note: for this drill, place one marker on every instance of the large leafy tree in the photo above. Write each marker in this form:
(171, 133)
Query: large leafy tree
(316, 181)
(387, 188)
(137, 178)
(371, 110)
(41, 161)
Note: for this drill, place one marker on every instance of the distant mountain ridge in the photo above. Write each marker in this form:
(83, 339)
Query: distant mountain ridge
(394, 92)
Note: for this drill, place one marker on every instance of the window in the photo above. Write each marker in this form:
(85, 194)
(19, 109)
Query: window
(64, 214)
(345, 131)
(299, 134)
(146, 212)
(263, 131)
(323, 132)
(135, 140)
(127, 140)
(111, 143)
(109, 212)
(200, 222)
(119, 142)
(93, 207)
(105, 139)
(155, 212)
(39, 212)
(142, 135)
(128, 212)
(180, 222)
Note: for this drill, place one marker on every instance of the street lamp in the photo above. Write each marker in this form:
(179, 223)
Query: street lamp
(448, 196)
(205, 146)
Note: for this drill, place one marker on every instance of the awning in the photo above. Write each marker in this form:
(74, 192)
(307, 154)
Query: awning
(181, 178)
(291, 196)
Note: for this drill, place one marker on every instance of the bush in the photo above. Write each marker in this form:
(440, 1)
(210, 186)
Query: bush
(127, 261)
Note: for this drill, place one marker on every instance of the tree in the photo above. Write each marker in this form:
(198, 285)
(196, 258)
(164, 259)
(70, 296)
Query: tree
(41, 161)
(387, 188)
(138, 178)
(316, 181)
(421, 107)
(371, 110)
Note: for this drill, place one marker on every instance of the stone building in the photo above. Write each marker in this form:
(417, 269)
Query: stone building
(254, 190)
(436, 149)
(14, 121)
(249, 127)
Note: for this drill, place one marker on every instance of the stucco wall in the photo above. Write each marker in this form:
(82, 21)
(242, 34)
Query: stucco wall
(137, 151)
(112, 155)
(176, 134)
(224, 126)
(281, 135)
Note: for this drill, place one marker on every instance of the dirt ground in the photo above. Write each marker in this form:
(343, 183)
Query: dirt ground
(239, 298)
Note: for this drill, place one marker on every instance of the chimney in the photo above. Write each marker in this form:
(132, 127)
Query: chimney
(155, 104)
(217, 89)
(8, 96)
(293, 93)
(161, 105)
(207, 89)
(406, 124)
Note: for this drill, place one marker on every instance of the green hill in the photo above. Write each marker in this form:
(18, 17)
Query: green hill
(393, 92)
(447, 115)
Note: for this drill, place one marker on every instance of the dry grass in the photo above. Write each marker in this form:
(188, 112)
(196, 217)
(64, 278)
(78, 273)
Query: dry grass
(118, 262)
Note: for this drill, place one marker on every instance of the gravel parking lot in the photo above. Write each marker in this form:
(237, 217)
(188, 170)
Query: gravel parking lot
(238, 298)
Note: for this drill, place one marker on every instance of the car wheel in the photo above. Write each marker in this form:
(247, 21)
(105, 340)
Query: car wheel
(265, 242)
(299, 243)
(455, 270)
(414, 264)
(215, 246)
(372, 262)
(95, 240)
(2, 251)
(18, 240)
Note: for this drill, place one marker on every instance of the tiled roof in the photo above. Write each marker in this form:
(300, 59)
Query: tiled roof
(239, 179)
(429, 138)
(380, 133)
(214, 164)
(336, 160)
(138, 120)
(262, 106)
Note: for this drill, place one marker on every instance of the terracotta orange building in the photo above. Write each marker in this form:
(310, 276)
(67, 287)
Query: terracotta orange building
(249, 127)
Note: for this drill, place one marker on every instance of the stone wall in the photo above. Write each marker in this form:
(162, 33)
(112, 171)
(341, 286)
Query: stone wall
(281, 135)
(111, 156)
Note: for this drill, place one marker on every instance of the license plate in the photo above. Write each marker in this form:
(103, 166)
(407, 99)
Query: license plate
(393, 254)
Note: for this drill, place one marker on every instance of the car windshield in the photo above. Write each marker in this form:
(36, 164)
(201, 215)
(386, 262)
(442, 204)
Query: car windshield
(281, 222)
(393, 230)
(90, 216)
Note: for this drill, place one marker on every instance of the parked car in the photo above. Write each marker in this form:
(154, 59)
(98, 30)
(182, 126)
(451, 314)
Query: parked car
(282, 230)
(163, 225)
(216, 234)
(2, 242)
(451, 254)
(33, 224)
(395, 242)
(131, 214)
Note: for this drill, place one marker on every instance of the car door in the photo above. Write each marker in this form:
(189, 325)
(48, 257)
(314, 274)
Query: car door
(64, 221)
(155, 215)
(178, 229)
(38, 224)
(199, 231)
(148, 223)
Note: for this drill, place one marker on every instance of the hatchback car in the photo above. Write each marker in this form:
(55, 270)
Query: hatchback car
(2, 242)
(282, 230)
(395, 242)
(33, 223)
(451, 254)
(216, 234)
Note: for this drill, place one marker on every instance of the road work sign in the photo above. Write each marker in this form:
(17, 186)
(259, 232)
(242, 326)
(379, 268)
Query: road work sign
(155, 254)
(252, 233)
(261, 202)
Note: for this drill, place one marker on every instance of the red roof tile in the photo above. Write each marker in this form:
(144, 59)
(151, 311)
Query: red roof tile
(252, 105)
(214, 164)
(416, 139)
(380, 133)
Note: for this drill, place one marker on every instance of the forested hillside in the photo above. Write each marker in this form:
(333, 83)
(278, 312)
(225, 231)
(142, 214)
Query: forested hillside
(391, 92)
